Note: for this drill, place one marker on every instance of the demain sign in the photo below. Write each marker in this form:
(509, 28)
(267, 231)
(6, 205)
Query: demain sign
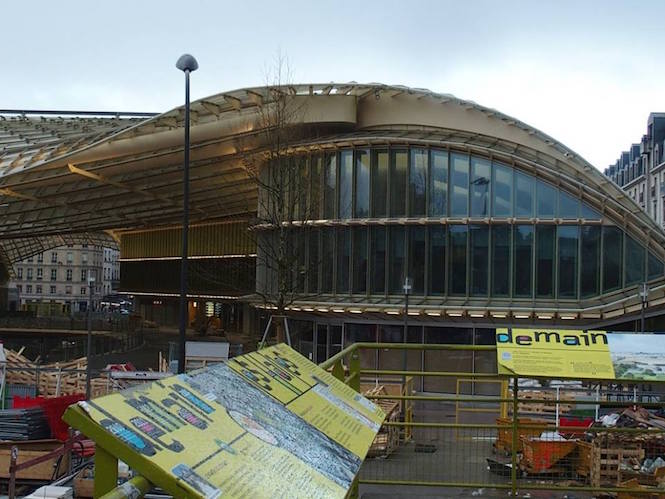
(534, 337)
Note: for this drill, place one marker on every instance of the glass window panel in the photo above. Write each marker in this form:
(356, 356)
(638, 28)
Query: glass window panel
(378, 284)
(500, 260)
(393, 359)
(634, 262)
(503, 190)
(438, 184)
(417, 182)
(398, 164)
(417, 258)
(314, 262)
(453, 360)
(567, 239)
(589, 213)
(656, 267)
(356, 333)
(359, 260)
(545, 249)
(315, 187)
(343, 255)
(329, 184)
(327, 259)
(612, 258)
(546, 200)
(396, 256)
(590, 261)
(479, 259)
(568, 205)
(379, 183)
(459, 185)
(480, 187)
(523, 244)
(362, 184)
(458, 259)
(525, 187)
(437, 260)
(345, 183)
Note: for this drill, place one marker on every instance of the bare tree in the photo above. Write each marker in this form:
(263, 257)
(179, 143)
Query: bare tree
(285, 201)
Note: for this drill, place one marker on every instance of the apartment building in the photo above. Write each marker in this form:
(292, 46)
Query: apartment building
(640, 171)
(56, 282)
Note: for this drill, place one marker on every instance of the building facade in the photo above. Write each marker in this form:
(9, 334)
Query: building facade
(57, 281)
(640, 171)
(496, 223)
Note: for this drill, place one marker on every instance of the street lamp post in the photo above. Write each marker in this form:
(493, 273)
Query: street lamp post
(88, 353)
(408, 284)
(187, 64)
(644, 297)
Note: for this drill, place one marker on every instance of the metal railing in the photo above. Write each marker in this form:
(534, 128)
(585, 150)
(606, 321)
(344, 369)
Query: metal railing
(513, 434)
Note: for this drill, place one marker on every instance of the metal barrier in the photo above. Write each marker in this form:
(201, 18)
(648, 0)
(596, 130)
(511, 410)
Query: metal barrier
(531, 435)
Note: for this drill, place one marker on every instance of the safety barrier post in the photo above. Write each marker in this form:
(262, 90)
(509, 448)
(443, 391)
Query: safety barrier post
(354, 371)
(513, 454)
(106, 472)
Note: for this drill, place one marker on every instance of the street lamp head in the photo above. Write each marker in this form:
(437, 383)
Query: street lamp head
(187, 62)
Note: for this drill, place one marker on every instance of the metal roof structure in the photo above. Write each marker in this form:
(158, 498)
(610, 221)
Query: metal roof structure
(88, 174)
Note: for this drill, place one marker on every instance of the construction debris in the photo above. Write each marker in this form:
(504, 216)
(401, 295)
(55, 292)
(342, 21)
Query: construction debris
(23, 424)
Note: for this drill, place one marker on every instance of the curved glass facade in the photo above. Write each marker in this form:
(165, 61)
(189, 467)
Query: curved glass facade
(536, 242)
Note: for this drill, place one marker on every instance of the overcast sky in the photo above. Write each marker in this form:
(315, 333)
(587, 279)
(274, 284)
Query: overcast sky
(586, 73)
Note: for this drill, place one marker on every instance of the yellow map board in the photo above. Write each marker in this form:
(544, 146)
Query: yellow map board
(218, 432)
(554, 353)
(313, 394)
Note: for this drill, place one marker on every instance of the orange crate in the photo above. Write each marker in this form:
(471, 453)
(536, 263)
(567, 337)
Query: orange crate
(541, 455)
(504, 438)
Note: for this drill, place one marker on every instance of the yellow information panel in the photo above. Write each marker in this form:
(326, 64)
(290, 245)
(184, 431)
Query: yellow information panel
(560, 353)
(266, 424)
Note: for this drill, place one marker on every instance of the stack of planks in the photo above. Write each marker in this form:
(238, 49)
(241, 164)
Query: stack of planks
(52, 380)
(387, 440)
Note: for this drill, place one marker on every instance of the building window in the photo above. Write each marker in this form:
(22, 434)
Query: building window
(54, 257)
(568, 206)
(457, 269)
(398, 170)
(418, 182)
(634, 262)
(84, 257)
(479, 259)
(29, 276)
(416, 251)
(38, 289)
(459, 185)
(345, 184)
(84, 275)
(379, 181)
(437, 260)
(480, 187)
(329, 186)
(19, 273)
(360, 260)
(30, 259)
(70, 257)
(83, 290)
(438, 184)
(503, 190)
(314, 263)
(19, 288)
(69, 274)
(362, 176)
(567, 239)
(546, 196)
(28, 288)
(40, 258)
(52, 290)
(612, 258)
(523, 243)
(501, 260)
(590, 261)
(54, 274)
(68, 290)
(327, 260)
(40, 273)
(378, 260)
(343, 259)
(396, 257)
(545, 251)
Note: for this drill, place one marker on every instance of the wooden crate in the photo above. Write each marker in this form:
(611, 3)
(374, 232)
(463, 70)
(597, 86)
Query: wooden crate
(606, 463)
(29, 450)
(84, 483)
(387, 440)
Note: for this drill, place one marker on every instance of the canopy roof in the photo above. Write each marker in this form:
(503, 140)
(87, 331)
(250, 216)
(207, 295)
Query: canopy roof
(85, 174)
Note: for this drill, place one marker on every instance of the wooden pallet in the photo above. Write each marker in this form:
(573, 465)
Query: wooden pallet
(606, 462)
(387, 440)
